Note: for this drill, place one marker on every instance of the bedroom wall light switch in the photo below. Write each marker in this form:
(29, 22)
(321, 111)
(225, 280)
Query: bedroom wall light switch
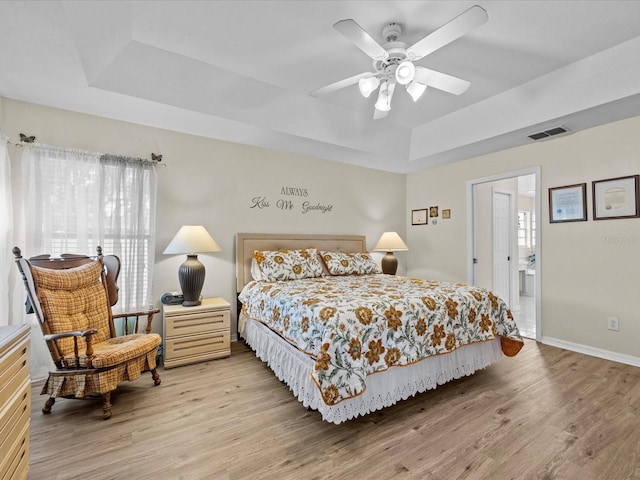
(612, 324)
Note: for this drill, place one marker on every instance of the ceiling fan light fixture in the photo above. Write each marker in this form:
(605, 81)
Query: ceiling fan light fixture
(383, 103)
(416, 89)
(405, 72)
(368, 85)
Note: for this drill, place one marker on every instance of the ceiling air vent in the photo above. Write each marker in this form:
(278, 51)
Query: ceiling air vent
(548, 133)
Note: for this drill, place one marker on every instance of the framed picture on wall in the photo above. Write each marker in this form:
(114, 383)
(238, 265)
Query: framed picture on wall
(568, 204)
(446, 213)
(419, 217)
(616, 198)
(433, 211)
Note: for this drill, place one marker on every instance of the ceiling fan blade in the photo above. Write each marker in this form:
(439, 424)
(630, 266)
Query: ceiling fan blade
(441, 81)
(378, 114)
(341, 84)
(456, 28)
(354, 32)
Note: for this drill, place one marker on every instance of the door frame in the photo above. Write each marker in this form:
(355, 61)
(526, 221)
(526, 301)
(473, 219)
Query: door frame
(471, 233)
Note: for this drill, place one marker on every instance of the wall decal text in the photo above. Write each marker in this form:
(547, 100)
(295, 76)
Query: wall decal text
(261, 202)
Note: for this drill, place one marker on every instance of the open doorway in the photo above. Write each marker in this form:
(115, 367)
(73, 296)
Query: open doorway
(504, 243)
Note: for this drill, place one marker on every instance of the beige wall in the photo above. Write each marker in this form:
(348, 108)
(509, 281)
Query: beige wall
(213, 183)
(588, 269)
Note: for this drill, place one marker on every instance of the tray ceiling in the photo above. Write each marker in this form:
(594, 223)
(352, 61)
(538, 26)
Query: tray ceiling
(242, 71)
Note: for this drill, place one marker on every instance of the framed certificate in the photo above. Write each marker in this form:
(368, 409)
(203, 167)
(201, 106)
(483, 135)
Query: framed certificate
(419, 217)
(616, 198)
(568, 204)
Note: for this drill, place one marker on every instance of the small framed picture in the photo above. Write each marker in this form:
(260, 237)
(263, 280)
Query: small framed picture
(433, 211)
(568, 204)
(419, 217)
(446, 213)
(616, 198)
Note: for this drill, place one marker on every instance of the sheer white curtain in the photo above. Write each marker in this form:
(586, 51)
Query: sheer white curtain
(6, 234)
(76, 200)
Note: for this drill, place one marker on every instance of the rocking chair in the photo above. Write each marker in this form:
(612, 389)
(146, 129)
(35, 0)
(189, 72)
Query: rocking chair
(72, 298)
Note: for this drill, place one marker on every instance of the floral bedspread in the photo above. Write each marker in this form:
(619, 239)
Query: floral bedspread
(358, 325)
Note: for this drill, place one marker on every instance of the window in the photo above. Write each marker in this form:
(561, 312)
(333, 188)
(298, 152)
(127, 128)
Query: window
(78, 200)
(533, 229)
(523, 229)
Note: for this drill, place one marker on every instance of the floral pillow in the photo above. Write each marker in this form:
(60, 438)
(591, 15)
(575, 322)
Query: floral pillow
(288, 264)
(349, 263)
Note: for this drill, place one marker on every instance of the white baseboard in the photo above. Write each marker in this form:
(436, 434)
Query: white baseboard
(594, 352)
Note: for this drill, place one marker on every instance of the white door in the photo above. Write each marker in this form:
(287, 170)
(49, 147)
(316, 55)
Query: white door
(502, 231)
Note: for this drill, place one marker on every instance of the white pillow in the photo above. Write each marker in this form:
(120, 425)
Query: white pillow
(256, 274)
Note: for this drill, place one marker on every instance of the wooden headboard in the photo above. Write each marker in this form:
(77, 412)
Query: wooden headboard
(246, 243)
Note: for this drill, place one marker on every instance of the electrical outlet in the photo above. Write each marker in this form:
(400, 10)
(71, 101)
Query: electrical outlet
(612, 324)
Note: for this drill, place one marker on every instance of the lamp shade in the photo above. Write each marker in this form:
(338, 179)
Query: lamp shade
(191, 239)
(368, 85)
(383, 103)
(416, 89)
(390, 242)
(405, 72)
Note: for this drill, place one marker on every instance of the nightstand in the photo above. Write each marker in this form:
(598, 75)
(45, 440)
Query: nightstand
(196, 334)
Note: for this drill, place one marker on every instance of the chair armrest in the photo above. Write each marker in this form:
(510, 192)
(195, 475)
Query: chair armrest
(75, 333)
(148, 312)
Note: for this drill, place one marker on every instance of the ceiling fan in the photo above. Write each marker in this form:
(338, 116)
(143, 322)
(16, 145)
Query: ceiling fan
(393, 62)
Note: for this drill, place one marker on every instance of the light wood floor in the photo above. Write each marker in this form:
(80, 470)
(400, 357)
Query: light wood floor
(547, 413)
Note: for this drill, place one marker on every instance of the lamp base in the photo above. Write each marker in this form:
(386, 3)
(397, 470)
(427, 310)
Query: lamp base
(191, 277)
(389, 264)
(191, 303)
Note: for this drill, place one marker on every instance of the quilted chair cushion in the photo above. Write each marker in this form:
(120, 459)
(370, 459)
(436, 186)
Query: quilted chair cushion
(114, 351)
(73, 299)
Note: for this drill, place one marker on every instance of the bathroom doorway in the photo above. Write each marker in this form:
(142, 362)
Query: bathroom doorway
(521, 256)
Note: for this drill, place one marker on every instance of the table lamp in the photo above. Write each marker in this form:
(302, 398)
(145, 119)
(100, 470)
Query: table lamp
(191, 239)
(390, 242)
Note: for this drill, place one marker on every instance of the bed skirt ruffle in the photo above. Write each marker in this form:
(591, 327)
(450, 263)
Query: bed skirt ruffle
(384, 389)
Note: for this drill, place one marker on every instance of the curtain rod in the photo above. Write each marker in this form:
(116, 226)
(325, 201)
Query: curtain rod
(155, 158)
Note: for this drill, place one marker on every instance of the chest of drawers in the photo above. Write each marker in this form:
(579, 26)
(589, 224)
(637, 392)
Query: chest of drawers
(15, 401)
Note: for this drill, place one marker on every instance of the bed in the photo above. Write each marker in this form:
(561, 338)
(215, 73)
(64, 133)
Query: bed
(349, 340)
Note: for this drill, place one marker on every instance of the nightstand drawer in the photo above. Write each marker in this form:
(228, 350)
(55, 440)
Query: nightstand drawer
(214, 343)
(200, 322)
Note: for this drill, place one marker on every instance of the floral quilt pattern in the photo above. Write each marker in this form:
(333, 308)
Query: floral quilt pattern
(354, 326)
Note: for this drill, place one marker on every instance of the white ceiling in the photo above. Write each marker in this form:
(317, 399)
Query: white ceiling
(241, 71)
